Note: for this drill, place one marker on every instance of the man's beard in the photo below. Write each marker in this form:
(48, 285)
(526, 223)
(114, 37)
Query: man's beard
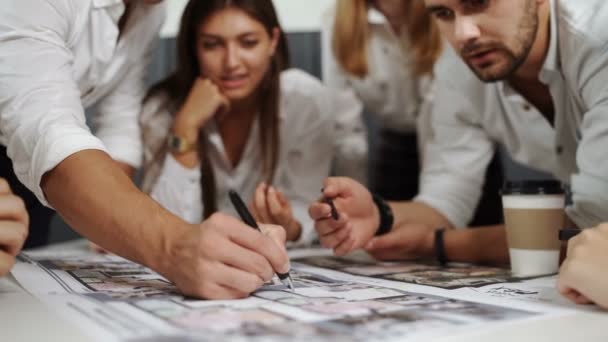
(514, 58)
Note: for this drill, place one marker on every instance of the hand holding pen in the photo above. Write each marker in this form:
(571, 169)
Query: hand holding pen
(345, 217)
(222, 258)
(246, 216)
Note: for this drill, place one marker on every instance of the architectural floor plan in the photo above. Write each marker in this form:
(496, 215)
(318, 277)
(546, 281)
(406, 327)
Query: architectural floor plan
(115, 299)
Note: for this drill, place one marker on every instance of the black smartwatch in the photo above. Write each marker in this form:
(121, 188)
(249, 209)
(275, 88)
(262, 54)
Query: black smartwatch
(386, 215)
(440, 247)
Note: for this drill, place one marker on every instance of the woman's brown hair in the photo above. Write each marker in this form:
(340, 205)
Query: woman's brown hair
(351, 36)
(177, 85)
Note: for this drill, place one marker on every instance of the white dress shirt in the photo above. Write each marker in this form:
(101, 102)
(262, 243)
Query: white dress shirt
(58, 57)
(318, 126)
(391, 90)
(469, 116)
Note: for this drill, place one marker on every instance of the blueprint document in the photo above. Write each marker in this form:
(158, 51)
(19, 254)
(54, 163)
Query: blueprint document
(112, 299)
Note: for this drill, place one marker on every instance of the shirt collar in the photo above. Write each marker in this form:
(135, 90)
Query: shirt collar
(107, 3)
(375, 17)
(552, 62)
(115, 8)
(217, 144)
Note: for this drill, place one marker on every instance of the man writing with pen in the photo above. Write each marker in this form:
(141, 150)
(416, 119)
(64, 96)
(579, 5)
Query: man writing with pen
(58, 57)
(553, 54)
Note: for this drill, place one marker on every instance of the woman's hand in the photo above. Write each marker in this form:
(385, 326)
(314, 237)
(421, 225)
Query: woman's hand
(204, 101)
(269, 205)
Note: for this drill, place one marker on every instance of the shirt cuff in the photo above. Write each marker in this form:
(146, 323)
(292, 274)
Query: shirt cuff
(125, 150)
(589, 205)
(52, 149)
(457, 217)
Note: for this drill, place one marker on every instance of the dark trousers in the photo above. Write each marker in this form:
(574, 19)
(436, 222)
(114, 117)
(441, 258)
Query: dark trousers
(40, 216)
(395, 173)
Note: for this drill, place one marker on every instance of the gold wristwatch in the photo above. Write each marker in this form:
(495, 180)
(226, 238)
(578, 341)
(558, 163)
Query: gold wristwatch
(178, 144)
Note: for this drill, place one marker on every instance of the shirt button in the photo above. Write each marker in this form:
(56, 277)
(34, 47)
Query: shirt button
(527, 107)
(559, 149)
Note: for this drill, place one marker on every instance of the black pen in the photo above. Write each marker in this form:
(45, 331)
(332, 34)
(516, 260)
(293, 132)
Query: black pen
(334, 211)
(246, 216)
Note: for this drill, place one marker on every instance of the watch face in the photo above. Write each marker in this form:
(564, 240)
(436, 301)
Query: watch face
(179, 145)
(175, 143)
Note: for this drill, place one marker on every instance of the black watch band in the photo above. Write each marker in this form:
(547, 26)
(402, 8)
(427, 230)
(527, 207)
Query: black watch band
(440, 247)
(386, 215)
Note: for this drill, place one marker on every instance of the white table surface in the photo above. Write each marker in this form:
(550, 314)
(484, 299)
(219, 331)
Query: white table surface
(24, 318)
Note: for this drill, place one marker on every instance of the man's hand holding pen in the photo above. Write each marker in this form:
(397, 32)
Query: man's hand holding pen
(249, 220)
(358, 217)
(229, 259)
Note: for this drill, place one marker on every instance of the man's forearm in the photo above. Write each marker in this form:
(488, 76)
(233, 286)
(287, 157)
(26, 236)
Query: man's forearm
(408, 212)
(127, 169)
(97, 199)
(477, 245)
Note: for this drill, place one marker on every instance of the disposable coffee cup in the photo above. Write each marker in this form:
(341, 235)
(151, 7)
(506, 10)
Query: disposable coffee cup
(534, 214)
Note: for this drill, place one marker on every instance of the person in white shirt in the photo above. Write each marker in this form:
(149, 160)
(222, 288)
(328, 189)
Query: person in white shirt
(549, 52)
(14, 223)
(96, 52)
(582, 276)
(59, 56)
(384, 51)
(236, 119)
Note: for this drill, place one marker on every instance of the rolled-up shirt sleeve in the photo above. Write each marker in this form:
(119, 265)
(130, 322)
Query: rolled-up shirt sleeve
(42, 120)
(456, 157)
(117, 120)
(589, 186)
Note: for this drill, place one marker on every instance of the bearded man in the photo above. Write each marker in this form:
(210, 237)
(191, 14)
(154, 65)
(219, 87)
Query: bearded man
(532, 77)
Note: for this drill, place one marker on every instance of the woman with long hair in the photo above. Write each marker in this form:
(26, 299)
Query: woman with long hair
(385, 52)
(232, 116)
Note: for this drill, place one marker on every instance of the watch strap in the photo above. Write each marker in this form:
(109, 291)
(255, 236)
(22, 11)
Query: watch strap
(440, 247)
(178, 144)
(386, 215)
